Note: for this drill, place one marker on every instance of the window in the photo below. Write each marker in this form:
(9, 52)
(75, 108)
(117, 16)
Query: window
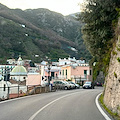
(57, 82)
(56, 75)
(60, 82)
(66, 72)
(85, 72)
(90, 72)
(63, 72)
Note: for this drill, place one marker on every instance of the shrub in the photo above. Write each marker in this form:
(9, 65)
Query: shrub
(115, 75)
(118, 59)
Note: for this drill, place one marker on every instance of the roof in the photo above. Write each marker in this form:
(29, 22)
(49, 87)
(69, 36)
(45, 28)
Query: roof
(19, 70)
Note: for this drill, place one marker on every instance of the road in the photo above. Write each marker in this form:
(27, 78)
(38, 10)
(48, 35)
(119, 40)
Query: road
(60, 105)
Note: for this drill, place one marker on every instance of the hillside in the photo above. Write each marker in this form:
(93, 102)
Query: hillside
(41, 32)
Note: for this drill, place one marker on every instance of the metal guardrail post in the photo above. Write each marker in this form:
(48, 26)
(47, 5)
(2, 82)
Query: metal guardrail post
(34, 89)
(8, 92)
(40, 89)
(18, 90)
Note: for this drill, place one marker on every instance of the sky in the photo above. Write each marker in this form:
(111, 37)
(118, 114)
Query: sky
(64, 7)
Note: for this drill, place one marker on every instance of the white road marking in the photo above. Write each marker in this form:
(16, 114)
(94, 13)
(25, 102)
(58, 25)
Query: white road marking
(100, 109)
(34, 115)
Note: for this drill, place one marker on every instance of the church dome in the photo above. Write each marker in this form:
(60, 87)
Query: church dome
(19, 70)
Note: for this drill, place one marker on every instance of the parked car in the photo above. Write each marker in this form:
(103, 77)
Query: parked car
(99, 84)
(61, 85)
(89, 85)
(76, 85)
(72, 86)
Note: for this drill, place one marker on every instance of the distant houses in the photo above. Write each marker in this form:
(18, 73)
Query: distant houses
(20, 73)
(64, 69)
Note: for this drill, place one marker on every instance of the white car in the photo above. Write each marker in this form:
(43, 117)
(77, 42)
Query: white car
(72, 85)
(76, 85)
(88, 85)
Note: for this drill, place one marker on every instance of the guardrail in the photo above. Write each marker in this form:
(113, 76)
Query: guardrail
(20, 91)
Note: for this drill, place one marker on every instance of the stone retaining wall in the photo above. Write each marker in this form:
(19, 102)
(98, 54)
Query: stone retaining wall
(112, 81)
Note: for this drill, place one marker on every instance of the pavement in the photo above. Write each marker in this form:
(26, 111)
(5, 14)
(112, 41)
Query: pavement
(76, 104)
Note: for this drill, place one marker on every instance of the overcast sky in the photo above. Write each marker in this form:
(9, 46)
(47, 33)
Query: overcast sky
(64, 7)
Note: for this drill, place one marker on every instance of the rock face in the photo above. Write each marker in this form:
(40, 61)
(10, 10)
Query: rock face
(112, 81)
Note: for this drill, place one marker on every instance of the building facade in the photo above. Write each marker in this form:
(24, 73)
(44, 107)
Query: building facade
(76, 73)
(19, 72)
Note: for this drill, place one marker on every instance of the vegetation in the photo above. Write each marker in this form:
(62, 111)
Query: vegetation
(114, 115)
(114, 52)
(100, 18)
(115, 75)
(118, 59)
(118, 48)
(39, 32)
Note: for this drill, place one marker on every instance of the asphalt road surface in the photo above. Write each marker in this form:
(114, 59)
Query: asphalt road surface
(60, 105)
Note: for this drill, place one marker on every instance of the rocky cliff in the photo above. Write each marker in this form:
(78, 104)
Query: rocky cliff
(112, 80)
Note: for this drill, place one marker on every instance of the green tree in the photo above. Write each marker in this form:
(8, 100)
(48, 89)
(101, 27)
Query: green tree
(98, 30)
(98, 17)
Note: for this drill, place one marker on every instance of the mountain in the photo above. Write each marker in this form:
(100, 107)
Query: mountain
(39, 32)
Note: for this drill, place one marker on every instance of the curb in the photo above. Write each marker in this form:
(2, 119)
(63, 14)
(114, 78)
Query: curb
(100, 109)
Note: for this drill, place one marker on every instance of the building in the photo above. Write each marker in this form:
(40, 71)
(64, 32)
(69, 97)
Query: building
(66, 61)
(76, 73)
(54, 72)
(4, 88)
(19, 72)
(33, 69)
(11, 61)
(5, 70)
(33, 79)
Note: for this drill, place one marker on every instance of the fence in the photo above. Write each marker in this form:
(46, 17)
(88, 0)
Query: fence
(19, 91)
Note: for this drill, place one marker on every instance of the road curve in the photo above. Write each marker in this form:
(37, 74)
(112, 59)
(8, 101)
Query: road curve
(61, 105)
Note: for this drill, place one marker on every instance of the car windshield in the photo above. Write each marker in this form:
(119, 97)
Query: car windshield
(87, 82)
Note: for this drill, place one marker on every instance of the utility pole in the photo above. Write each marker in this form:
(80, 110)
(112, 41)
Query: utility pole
(6, 78)
(49, 68)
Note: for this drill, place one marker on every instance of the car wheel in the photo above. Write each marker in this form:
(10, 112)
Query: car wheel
(66, 88)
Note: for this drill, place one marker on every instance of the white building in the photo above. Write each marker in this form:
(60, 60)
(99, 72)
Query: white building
(19, 72)
(6, 69)
(11, 61)
(4, 88)
(69, 61)
(66, 61)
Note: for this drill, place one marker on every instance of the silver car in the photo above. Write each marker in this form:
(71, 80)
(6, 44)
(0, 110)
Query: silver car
(75, 85)
(61, 84)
